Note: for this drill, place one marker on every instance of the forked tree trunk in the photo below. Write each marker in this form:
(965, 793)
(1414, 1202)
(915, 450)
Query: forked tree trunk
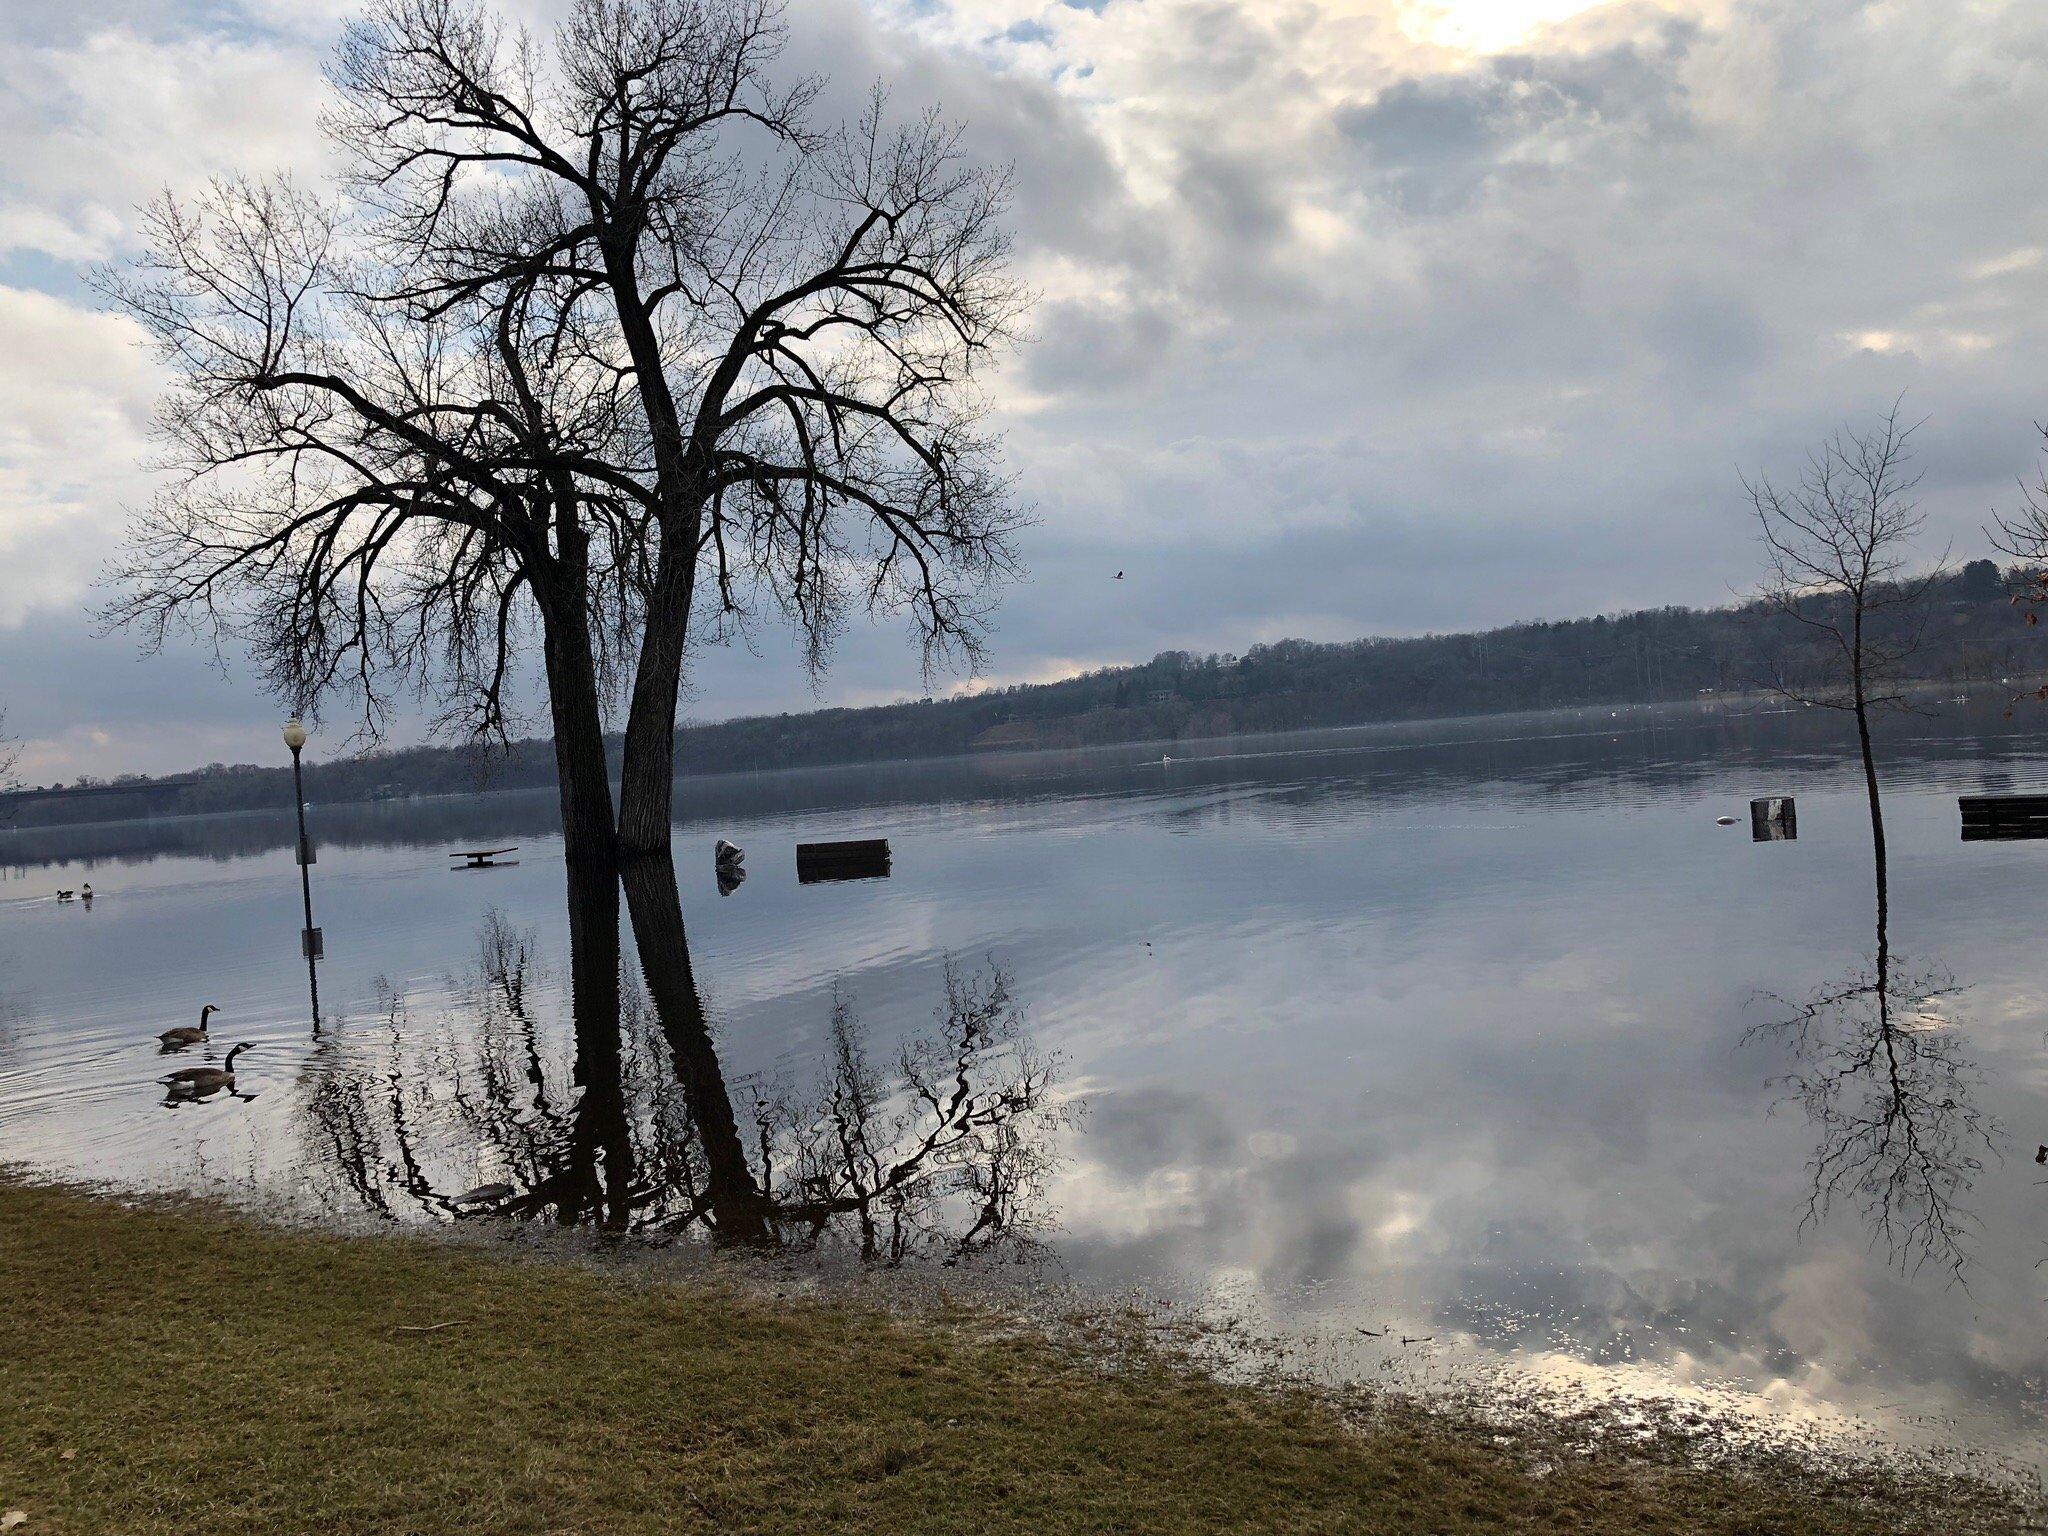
(647, 778)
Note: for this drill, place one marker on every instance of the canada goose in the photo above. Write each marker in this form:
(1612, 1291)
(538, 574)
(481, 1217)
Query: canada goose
(66, 895)
(188, 1034)
(192, 1082)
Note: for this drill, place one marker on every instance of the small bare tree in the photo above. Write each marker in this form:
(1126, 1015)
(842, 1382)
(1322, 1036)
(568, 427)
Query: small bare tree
(10, 753)
(1837, 543)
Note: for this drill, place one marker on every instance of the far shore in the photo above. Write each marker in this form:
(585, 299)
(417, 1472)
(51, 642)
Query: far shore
(1704, 709)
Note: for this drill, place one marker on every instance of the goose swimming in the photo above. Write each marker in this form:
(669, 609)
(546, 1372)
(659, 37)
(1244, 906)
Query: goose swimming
(196, 1082)
(188, 1034)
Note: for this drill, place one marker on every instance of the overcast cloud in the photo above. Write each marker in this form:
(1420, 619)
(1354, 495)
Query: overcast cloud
(1368, 317)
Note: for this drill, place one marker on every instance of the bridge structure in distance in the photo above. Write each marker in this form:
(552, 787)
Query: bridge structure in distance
(157, 792)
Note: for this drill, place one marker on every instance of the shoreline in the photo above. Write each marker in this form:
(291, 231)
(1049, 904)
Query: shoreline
(212, 1371)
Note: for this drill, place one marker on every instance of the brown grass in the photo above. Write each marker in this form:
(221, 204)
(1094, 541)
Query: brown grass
(212, 1375)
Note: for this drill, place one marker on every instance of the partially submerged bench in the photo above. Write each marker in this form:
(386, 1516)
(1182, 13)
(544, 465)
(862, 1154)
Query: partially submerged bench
(1987, 817)
(856, 859)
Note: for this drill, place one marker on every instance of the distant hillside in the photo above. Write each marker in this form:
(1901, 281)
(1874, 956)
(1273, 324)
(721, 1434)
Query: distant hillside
(1973, 638)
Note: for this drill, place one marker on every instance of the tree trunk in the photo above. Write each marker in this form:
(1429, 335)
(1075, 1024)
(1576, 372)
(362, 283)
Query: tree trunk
(739, 1209)
(582, 777)
(1876, 808)
(600, 1176)
(1877, 848)
(647, 777)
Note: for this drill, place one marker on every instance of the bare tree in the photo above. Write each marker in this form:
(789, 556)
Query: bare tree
(370, 500)
(586, 321)
(1837, 543)
(800, 312)
(10, 753)
(1879, 1069)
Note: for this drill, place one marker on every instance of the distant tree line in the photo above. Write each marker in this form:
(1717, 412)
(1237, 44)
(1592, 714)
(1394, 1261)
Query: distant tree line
(1970, 640)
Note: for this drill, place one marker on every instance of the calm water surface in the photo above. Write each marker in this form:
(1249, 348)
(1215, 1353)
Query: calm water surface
(1449, 1031)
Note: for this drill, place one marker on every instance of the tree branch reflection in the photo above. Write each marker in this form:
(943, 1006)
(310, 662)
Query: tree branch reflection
(943, 1147)
(1881, 1075)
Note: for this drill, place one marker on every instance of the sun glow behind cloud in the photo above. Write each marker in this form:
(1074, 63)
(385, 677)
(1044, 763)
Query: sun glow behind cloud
(1484, 26)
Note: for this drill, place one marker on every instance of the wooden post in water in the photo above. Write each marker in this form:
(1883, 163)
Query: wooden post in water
(1773, 820)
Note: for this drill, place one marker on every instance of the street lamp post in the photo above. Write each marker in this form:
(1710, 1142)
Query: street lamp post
(310, 940)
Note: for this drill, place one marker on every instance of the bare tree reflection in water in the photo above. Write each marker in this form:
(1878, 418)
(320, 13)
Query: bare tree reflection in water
(947, 1152)
(1881, 1075)
(408, 1121)
(734, 1202)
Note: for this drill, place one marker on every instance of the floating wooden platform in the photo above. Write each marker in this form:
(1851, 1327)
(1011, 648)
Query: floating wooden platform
(857, 859)
(2000, 817)
(483, 858)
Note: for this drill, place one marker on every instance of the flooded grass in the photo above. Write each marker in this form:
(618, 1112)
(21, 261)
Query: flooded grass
(172, 1366)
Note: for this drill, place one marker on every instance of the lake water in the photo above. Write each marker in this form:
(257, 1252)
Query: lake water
(1449, 1031)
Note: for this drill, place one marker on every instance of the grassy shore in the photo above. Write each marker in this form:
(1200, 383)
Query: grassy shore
(179, 1369)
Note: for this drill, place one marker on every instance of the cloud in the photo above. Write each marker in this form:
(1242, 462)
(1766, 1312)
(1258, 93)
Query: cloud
(1373, 317)
(75, 401)
(94, 124)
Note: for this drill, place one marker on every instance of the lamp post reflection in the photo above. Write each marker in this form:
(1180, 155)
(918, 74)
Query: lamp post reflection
(310, 940)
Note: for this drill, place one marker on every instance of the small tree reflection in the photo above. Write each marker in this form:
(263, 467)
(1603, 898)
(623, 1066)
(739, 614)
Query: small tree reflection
(1882, 1079)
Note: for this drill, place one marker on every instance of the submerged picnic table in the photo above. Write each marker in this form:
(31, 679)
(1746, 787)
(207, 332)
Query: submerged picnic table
(1987, 817)
(483, 858)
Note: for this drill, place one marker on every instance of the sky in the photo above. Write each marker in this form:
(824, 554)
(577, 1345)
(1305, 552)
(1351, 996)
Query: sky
(1353, 316)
